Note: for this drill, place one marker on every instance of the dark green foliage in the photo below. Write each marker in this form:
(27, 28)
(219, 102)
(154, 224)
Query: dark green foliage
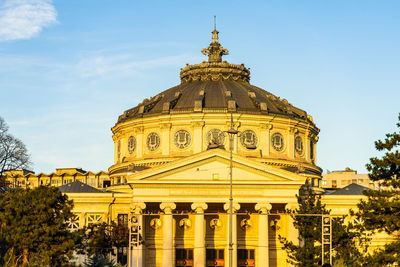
(349, 241)
(100, 239)
(309, 227)
(309, 252)
(34, 229)
(99, 261)
(380, 212)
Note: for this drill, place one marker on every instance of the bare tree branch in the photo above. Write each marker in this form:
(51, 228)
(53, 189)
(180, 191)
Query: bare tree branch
(13, 152)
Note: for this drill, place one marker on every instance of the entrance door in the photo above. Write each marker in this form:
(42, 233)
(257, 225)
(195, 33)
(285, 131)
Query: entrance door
(184, 257)
(215, 258)
(245, 258)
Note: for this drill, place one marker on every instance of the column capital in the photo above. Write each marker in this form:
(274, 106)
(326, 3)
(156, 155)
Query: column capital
(266, 126)
(165, 125)
(198, 123)
(235, 206)
(138, 130)
(137, 207)
(199, 207)
(263, 207)
(293, 130)
(168, 207)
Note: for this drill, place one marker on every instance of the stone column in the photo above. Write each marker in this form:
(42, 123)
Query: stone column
(235, 207)
(199, 234)
(291, 132)
(136, 255)
(309, 137)
(140, 141)
(197, 136)
(265, 138)
(263, 239)
(165, 138)
(82, 220)
(168, 236)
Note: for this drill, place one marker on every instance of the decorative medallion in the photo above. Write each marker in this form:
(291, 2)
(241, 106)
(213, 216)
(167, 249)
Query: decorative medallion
(245, 224)
(182, 139)
(248, 138)
(131, 144)
(153, 141)
(277, 141)
(155, 223)
(215, 136)
(298, 144)
(185, 223)
(215, 224)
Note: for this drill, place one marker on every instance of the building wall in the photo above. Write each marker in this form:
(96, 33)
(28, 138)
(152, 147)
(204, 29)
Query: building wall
(340, 179)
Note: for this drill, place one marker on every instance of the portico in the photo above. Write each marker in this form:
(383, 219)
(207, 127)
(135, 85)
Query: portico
(197, 237)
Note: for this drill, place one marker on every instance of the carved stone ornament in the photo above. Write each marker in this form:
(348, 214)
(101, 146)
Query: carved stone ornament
(207, 71)
(298, 145)
(214, 69)
(277, 141)
(131, 144)
(248, 138)
(153, 141)
(216, 224)
(155, 223)
(245, 224)
(182, 139)
(215, 136)
(185, 223)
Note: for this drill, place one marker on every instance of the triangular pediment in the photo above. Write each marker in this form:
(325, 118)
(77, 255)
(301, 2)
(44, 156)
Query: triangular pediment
(213, 166)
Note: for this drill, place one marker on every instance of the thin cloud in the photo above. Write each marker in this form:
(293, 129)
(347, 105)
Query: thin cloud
(24, 19)
(122, 63)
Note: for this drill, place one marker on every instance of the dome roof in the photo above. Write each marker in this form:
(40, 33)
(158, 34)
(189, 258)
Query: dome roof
(214, 86)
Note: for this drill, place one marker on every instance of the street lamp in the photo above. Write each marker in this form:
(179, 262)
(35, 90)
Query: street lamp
(232, 132)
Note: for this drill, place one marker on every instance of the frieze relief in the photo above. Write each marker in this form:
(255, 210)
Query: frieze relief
(207, 71)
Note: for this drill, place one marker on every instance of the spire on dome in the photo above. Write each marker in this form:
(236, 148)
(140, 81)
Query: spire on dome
(215, 51)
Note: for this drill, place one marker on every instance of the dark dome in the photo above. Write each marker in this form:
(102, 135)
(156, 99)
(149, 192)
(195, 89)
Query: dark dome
(214, 87)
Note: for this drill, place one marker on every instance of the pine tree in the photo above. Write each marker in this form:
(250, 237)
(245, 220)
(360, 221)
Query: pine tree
(99, 240)
(34, 227)
(345, 237)
(380, 212)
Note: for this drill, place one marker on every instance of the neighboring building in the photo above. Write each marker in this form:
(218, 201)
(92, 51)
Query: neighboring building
(171, 172)
(340, 179)
(62, 176)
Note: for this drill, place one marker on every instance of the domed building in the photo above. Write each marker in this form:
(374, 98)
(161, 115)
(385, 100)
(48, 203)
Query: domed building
(203, 172)
(172, 152)
(193, 117)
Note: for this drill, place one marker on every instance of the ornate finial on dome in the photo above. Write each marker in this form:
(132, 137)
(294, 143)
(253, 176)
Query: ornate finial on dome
(215, 51)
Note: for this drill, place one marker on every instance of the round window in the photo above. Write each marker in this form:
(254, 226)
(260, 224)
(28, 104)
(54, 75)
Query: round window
(298, 145)
(277, 141)
(215, 136)
(153, 141)
(131, 144)
(248, 138)
(182, 139)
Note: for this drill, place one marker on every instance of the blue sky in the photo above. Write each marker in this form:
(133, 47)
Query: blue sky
(69, 68)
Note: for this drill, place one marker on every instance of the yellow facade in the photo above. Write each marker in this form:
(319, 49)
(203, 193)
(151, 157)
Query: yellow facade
(340, 179)
(172, 170)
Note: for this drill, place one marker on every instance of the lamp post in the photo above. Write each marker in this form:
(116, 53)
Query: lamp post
(232, 132)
